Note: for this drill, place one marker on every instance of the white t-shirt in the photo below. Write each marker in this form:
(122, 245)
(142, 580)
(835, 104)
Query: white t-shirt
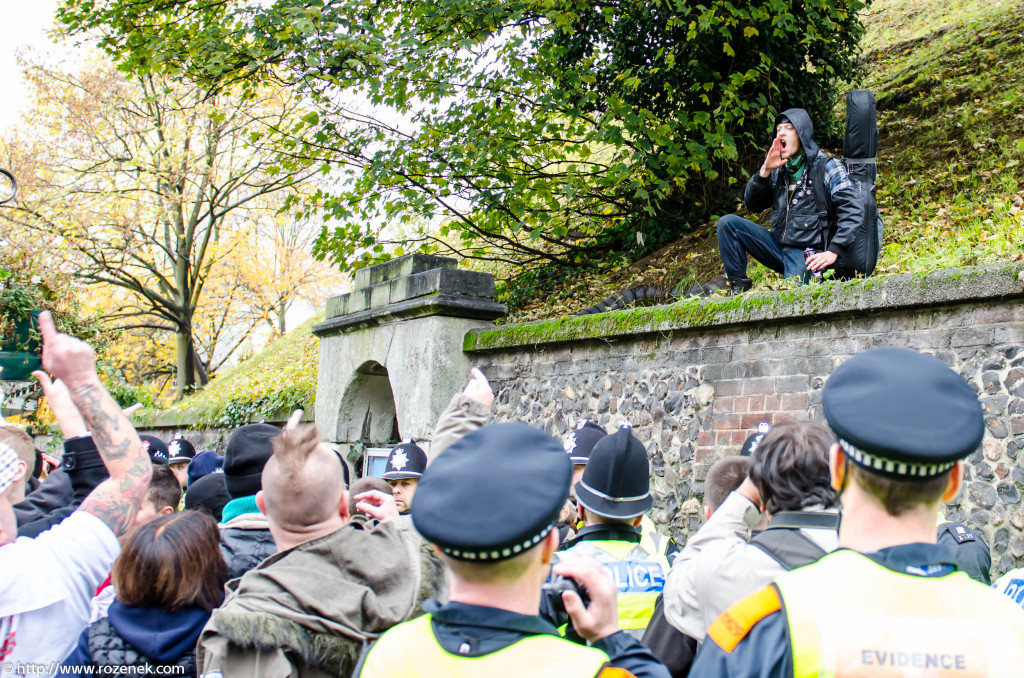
(46, 584)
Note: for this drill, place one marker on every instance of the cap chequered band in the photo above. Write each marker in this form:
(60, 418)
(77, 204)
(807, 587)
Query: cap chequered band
(8, 466)
(493, 555)
(893, 468)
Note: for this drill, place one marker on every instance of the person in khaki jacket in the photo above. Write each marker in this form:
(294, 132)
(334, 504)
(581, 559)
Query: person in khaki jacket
(789, 478)
(336, 583)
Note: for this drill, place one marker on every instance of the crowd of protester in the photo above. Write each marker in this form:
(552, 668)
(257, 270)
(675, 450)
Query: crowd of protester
(497, 549)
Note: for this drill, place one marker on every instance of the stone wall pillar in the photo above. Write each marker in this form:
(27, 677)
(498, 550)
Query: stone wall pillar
(391, 351)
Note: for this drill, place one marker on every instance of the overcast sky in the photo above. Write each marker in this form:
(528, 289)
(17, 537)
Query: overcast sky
(23, 23)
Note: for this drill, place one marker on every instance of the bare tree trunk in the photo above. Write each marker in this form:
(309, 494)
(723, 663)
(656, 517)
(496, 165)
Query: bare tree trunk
(282, 308)
(185, 377)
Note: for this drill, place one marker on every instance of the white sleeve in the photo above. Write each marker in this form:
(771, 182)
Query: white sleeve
(83, 549)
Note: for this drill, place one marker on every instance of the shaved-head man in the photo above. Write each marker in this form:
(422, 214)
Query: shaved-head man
(366, 576)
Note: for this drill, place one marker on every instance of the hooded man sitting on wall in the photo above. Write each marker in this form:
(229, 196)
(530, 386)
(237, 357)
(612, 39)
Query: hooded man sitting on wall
(785, 183)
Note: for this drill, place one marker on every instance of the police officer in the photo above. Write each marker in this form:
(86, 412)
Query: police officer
(497, 559)
(612, 497)
(889, 601)
(968, 548)
(579, 445)
(406, 464)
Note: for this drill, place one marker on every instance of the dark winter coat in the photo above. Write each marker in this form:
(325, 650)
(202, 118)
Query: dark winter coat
(245, 542)
(141, 637)
(310, 610)
(64, 489)
(796, 221)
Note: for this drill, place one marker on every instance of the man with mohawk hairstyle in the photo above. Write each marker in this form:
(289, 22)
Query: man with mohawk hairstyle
(334, 584)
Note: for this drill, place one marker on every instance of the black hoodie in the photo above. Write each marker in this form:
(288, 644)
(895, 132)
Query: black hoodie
(799, 224)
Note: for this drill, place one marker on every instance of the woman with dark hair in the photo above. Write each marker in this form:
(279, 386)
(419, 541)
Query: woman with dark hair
(169, 577)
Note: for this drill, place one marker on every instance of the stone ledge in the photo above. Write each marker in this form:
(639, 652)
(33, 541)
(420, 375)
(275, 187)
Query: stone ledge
(438, 304)
(188, 419)
(434, 281)
(817, 300)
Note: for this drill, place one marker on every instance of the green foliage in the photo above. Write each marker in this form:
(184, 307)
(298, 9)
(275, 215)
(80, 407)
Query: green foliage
(952, 169)
(30, 283)
(265, 387)
(522, 130)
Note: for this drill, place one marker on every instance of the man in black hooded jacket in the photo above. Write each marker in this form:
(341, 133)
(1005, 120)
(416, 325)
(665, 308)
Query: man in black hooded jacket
(785, 183)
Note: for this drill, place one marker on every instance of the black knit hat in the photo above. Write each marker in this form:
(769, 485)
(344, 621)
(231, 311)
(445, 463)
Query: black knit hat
(617, 480)
(519, 473)
(407, 460)
(209, 494)
(902, 414)
(580, 441)
(180, 451)
(248, 451)
(156, 448)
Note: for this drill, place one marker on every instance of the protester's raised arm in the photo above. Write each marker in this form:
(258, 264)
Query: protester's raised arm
(116, 500)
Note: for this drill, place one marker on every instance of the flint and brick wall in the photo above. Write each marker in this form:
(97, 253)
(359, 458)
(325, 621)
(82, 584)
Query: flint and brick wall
(695, 379)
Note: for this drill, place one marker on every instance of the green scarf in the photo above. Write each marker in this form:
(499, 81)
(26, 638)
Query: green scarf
(795, 166)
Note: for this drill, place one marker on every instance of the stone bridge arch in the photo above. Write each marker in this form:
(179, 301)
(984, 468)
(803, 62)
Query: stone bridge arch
(391, 351)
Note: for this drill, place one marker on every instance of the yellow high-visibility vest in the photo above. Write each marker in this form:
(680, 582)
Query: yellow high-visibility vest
(411, 649)
(849, 616)
(639, 576)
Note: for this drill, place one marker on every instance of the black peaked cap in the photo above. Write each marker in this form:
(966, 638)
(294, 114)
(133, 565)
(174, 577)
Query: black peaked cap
(156, 448)
(581, 440)
(617, 480)
(901, 413)
(180, 450)
(517, 475)
(407, 460)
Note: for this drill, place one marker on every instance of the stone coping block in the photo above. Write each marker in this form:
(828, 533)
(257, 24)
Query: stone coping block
(186, 419)
(396, 268)
(436, 281)
(830, 298)
(455, 305)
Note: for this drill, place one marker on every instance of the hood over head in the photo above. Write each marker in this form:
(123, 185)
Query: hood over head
(161, 636)
(799, 119)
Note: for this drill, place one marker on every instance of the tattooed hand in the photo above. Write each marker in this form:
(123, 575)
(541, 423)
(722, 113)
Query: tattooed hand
(116, 500)
(66, 358)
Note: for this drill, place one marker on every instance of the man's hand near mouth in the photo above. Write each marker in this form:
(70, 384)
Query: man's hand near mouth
(774, 159)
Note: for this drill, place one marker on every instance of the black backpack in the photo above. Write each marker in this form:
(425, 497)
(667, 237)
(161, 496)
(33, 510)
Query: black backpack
(860, 147)
(784, 542)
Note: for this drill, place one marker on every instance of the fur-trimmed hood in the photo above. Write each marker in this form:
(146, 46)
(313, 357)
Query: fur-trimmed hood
(322, 600)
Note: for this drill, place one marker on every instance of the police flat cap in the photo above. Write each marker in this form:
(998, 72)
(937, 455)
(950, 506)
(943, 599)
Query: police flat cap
(407, 460)
(494, 493)
(617, 480)
(581, 440)
(902, 414)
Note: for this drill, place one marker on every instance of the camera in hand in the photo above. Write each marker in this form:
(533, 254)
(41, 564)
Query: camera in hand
(552, 592)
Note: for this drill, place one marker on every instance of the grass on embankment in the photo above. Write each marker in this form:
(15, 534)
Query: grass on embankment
(266, 386)
(951, 147)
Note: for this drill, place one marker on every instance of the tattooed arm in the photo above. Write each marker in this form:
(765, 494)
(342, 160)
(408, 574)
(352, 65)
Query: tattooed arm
(116, 500)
